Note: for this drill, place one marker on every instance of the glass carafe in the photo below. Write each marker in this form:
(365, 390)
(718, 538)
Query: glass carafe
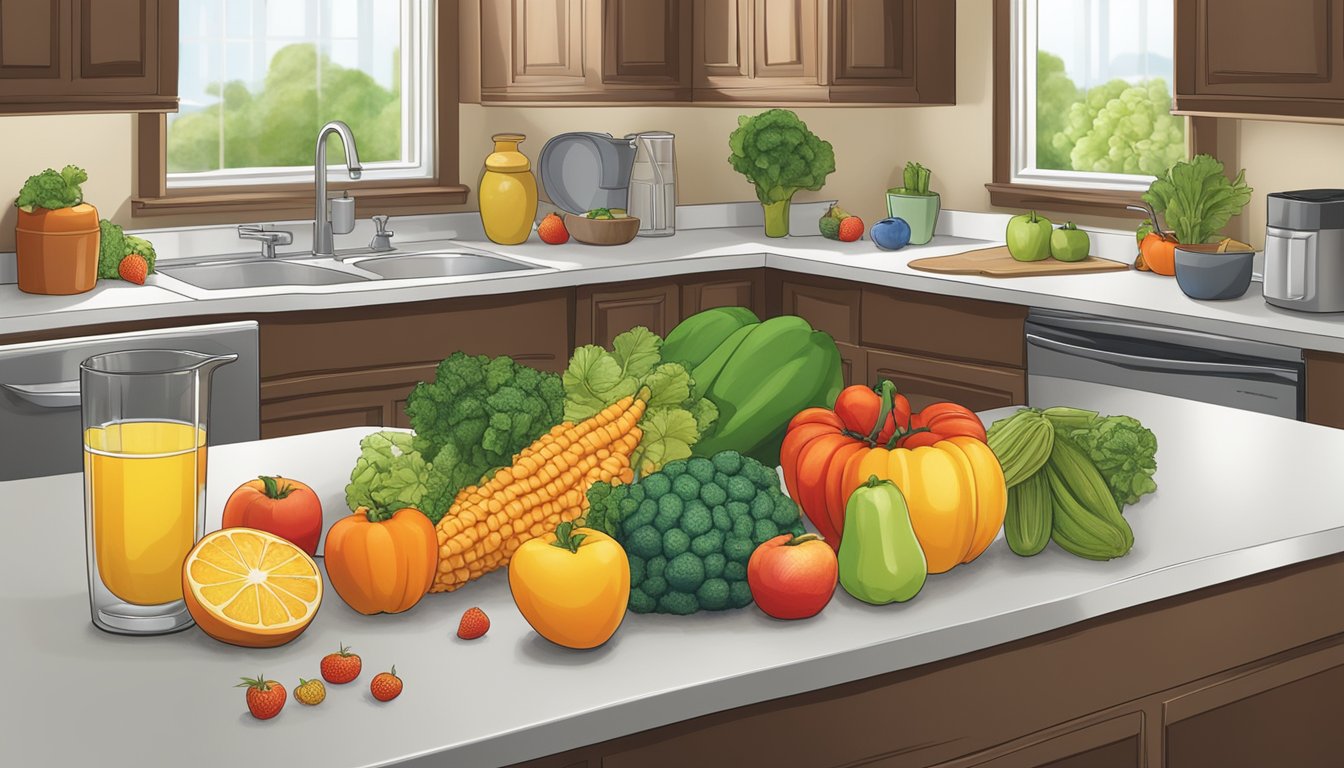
(145, 414)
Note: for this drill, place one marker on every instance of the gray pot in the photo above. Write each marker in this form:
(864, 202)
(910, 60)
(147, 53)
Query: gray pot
(1203, 273)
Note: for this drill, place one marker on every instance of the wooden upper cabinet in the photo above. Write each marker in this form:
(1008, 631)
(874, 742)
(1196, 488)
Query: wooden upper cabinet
(88, 56)
(763, 51)
(1224, 65)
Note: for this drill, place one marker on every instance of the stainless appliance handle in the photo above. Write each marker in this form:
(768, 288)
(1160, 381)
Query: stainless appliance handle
(56, 394)
(1157, 363)
(1047, 320)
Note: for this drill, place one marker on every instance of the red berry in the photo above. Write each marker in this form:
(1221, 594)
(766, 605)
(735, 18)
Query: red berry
(552, 230)
(474, 624)
(265, 698)
(341, 667)
(386, 686)
(133, 269)
(851, 229)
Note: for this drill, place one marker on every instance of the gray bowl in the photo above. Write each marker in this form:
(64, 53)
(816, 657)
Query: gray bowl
(1203, 273)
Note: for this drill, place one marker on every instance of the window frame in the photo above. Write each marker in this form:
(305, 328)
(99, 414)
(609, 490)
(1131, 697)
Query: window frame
(1004, 192)
(392, 196)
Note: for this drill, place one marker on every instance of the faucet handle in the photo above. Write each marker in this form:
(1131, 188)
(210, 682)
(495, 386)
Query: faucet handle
(269, 237)
(380, 225)
(382, 236)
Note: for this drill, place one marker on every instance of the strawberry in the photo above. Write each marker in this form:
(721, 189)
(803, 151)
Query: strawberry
(386, 686)
(265, 698)
(552, 230)
(341, 667)
(473, 625)
(851, 229)
(310, 692)
(133, 269)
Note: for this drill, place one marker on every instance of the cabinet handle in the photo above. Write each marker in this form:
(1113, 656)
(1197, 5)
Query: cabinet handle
(57, 394)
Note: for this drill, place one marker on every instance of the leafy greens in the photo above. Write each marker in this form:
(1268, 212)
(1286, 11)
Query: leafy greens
(1121, 448)
(676, 416)
(1196, 199)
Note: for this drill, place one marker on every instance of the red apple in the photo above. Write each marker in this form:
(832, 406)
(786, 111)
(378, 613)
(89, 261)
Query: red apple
(792, 577)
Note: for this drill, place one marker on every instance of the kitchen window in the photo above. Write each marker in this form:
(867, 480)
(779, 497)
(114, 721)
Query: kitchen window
(1082, 102)
(257, 78)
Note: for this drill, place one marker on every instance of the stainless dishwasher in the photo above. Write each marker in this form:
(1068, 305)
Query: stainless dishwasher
(1068, 352)
(40, 422)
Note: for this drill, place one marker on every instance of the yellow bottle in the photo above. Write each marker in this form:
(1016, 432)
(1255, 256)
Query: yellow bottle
(508, 192)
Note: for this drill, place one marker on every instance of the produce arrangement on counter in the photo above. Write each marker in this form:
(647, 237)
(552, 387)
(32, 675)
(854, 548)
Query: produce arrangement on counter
(647, 479)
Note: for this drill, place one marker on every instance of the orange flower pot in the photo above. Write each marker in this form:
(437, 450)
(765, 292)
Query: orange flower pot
(57, 251)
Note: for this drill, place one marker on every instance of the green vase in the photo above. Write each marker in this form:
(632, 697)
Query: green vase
(776, 218)
(919, 211)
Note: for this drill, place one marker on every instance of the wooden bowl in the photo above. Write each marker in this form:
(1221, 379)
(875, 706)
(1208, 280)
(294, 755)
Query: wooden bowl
(602, 231)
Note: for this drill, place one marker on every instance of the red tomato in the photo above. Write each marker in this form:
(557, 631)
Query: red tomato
(792, 578)
(287, 508)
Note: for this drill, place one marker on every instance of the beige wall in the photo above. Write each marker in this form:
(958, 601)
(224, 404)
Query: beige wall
(871, 145)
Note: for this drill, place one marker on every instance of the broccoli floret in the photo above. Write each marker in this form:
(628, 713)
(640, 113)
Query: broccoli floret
(696, 519)
(52, 190)
(687, 487)
(738, 549)
(678, 603)
(674, 469)
(656, 486)
(765, 530)
(740, 489)
(701, 469)
(656, 566)
(779, 155)
(743, 526)
(111, 247)
(636, 569)
(654, 586)
(707, 544)
(479, 413)
(646, 542)
(685, 572)
(716, 566)
(762, 476)
(722, 520)
(714, 594)
(641, 602)
(786, 511)
(675, 542)
(143, 247)
(727, 462)
(713, 494)
(763, 506)
(739, 594)
(644, 514)
(669, 512)
(734, 571)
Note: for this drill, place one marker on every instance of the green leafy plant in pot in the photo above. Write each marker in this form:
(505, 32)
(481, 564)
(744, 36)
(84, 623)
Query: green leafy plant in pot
(914, 203)
(776, 152)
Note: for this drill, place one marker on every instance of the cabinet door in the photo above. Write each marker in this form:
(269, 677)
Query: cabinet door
(945, 326)
(34, 48)
(1285, 713)
(893, 51)
(1115, 742)
(926, 380)
(532, 44)
(1223, 65)
(744, 288)
(371, 398)
(784, 40)
(832, 306)
(1325, 380)
(118, 46)
(646, 42)
(722, 49)
(604, 312)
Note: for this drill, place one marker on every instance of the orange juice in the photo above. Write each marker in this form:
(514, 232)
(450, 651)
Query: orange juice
(144, 480)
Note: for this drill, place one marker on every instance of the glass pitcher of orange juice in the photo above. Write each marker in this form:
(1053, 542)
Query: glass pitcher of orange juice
(145, 414)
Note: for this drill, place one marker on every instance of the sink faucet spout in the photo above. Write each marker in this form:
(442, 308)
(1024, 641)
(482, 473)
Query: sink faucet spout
(322, 234)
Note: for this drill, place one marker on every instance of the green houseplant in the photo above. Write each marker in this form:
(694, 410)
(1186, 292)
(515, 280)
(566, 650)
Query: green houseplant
(915, 203)
(777, 153)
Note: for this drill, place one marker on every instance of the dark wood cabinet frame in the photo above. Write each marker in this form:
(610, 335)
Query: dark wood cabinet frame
(153, 198)
(1004, 193)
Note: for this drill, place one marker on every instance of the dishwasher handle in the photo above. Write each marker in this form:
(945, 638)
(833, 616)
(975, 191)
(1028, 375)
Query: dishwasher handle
(1160, 363)
(56, 394)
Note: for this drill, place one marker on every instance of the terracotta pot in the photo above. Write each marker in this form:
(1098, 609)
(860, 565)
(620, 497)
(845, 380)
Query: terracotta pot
(58, 250)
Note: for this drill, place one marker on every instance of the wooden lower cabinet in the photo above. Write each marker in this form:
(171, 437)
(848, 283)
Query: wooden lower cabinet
(1325, 389)
(602, 312)
(1247, 674)
(925, 380)
(735, 288)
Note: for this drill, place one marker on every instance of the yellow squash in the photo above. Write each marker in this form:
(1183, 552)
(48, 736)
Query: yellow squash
(955, 490)
(572, 585)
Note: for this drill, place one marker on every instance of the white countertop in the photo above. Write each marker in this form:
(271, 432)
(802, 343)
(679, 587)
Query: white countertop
(1239, 493)
(1129, 295)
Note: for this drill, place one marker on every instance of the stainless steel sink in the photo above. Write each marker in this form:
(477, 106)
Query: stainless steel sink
(258, 274)
(442, 264)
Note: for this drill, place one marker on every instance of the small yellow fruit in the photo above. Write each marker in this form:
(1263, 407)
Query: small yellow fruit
(310, 692)
(250, 588)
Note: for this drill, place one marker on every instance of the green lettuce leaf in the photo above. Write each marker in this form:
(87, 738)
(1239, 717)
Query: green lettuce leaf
(389, 474)
(637, 351)
(594, 380)
(669, 434)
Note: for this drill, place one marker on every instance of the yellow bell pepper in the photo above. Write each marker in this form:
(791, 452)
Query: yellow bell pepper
(572, 585)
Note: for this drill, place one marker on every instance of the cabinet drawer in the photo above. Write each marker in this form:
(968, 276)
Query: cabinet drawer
(945, 326)
(927, 380)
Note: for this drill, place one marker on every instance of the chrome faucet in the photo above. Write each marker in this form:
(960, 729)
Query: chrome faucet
(322, 234)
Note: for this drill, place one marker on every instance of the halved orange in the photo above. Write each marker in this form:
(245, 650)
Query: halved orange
(250, 588)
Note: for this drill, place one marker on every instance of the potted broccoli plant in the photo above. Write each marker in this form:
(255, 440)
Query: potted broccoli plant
(914, 203)
(56, 237)
(777, 153)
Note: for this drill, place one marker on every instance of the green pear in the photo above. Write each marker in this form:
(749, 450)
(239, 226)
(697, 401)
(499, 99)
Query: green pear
(881, 560)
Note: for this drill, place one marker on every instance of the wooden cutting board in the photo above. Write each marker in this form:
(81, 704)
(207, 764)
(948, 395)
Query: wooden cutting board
(997, 262)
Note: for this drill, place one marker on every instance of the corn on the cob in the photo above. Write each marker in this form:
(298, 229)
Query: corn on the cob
(547, 485)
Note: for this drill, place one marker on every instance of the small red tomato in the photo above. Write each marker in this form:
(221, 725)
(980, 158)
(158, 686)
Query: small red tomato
(793, 577)
(287, 508)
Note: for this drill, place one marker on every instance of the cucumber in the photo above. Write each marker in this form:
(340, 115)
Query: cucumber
(1030, 517)
(1022, 443)
(695, 338)
(1086, 520)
